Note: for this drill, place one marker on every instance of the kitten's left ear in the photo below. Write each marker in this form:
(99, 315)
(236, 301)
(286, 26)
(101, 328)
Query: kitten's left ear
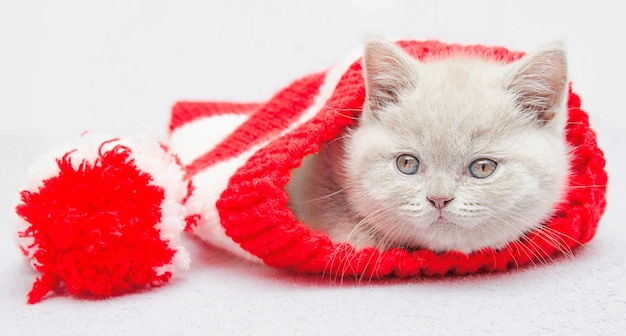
(539, 82)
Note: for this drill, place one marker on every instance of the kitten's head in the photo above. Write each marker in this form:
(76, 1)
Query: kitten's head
(458, 153)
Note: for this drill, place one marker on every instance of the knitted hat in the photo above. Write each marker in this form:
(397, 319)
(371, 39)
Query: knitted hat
(239, 156)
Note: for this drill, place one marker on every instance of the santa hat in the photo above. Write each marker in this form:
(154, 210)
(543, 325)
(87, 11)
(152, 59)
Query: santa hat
(105, 217)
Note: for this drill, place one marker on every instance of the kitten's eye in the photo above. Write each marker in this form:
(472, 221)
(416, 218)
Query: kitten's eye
(482, 168)
(407, 164)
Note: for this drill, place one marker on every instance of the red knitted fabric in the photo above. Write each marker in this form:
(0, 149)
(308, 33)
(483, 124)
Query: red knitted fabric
(270, 139)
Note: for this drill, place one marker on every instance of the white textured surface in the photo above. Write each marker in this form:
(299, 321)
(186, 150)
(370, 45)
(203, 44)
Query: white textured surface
(118, 66)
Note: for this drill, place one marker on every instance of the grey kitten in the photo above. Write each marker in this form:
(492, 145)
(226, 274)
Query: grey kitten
(458, 153)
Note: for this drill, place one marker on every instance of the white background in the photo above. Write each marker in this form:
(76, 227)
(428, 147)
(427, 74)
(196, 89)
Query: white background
(118, 66)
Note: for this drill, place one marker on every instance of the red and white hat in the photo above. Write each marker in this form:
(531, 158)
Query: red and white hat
(104, 217)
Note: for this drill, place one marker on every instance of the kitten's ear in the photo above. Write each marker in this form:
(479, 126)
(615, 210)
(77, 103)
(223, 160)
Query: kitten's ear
(539, 82)
(388, 71)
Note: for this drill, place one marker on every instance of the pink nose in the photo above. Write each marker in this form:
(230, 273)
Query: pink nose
(439, 202)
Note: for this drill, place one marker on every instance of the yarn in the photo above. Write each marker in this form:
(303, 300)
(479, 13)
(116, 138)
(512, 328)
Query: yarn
(105, 219)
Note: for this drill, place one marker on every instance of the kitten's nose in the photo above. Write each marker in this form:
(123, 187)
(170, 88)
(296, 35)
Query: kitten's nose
(439, 202)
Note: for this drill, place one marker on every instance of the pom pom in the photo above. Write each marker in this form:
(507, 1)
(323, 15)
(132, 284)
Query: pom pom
(104, 218)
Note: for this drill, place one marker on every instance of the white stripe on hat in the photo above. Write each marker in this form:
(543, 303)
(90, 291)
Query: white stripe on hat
(212, 181)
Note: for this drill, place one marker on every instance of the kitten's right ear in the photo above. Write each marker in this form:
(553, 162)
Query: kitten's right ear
(539, 82)
(388, 72)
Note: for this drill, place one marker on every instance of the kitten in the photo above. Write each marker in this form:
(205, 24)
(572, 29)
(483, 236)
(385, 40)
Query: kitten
(457, 153)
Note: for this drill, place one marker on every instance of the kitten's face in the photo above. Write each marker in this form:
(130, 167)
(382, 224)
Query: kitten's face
(456, 154)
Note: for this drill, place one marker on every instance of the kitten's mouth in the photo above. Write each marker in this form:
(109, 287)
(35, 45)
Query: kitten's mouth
(441, 218)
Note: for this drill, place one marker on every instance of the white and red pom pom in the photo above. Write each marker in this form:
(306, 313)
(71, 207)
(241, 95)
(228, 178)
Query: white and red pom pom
(104, 218)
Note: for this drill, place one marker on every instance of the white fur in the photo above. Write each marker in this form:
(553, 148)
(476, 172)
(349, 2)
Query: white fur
(448, 113)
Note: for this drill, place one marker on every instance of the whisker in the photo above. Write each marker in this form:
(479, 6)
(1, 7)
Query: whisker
(539, 248)
(588, 186)
(549, 235)
(368, 231)
(339, 138)
(503, 226)
(338, 110)
(361, 228)
(325, 196)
